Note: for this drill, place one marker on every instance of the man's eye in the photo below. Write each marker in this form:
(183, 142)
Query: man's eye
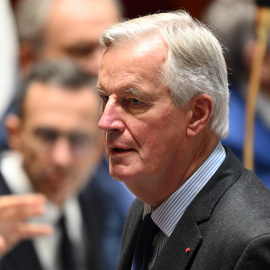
(105, 99)
(135, 101)
(46, 135)
(79, 139)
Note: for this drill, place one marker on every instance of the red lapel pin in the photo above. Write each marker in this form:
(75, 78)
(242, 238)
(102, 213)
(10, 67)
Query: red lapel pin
(187, 250)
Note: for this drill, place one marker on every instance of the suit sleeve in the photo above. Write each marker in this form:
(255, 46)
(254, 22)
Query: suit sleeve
(256, 256)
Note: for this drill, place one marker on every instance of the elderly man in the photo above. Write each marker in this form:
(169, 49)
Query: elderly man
(56, 147)
(163, 83)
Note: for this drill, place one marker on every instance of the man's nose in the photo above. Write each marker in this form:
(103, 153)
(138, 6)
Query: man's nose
(62, 152)
(112, 117)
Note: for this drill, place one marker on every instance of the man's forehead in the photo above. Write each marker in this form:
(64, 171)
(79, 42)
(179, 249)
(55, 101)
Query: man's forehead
(96, 10)
(39, 94)
(122, 63)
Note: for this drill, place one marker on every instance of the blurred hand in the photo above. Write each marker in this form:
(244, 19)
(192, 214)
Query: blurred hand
(14, 212)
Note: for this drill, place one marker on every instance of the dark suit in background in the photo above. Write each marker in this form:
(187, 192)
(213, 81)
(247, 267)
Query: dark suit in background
(103, 222)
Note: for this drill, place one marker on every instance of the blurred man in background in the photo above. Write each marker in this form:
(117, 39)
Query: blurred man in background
(56, 148)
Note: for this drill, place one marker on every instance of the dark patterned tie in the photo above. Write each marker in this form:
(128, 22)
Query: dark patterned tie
(143, 248)
(66, 249)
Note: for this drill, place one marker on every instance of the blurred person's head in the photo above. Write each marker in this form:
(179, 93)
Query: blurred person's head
(234, 24)
(64, 28)
(56, 129)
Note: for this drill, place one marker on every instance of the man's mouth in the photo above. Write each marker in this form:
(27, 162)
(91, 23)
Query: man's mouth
(117, 150)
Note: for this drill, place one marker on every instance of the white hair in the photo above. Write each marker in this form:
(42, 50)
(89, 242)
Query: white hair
(195, 63)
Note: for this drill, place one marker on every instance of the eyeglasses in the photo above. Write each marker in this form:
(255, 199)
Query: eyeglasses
(79, 143)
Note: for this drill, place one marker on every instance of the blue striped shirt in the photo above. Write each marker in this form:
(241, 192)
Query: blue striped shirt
(168, 214)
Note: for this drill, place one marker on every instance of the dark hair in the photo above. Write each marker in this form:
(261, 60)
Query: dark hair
(64, 73)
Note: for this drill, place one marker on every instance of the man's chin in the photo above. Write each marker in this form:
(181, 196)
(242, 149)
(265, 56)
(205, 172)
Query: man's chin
(122, 173)
(57, 183)
(57, 198)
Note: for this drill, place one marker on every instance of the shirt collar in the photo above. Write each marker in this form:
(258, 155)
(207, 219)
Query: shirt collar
(168, 214)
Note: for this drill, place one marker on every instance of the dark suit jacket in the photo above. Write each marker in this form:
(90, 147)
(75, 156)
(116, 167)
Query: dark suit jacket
(227, 226)
(103, 224)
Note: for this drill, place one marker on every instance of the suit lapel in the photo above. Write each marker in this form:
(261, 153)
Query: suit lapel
(93, 204)
(181, 245)
(22, 257)
(130, 235)
(4, 190)
(227, 174)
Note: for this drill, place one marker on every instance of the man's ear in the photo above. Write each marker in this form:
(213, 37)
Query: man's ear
(200, 113)
(13, 125)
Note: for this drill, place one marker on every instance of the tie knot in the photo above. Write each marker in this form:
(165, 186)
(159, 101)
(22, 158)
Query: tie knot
(62, 222)
(148, 229)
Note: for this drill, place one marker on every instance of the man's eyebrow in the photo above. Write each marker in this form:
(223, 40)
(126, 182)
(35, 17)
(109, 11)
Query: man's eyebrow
(100, 90)
(130, 91)
(136, 92)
